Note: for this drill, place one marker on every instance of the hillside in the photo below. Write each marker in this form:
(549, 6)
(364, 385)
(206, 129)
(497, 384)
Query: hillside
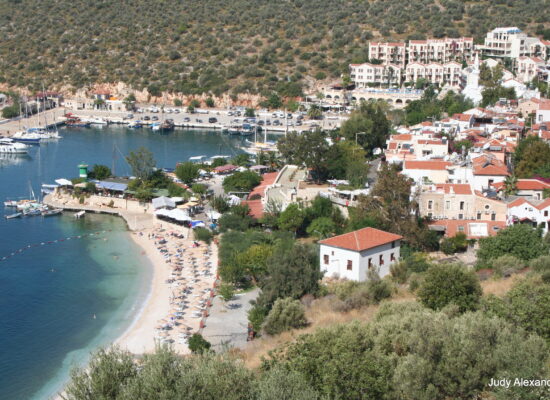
(225, 46)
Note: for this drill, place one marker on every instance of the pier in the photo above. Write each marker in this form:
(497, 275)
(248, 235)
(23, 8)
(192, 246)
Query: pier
(9, 126)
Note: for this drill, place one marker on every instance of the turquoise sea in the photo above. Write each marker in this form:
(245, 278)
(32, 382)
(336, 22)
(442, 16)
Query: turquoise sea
(59, 301)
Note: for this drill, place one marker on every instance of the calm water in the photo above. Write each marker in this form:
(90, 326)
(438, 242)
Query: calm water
(60, 301)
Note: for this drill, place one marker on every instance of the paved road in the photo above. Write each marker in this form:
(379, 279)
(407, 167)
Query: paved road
(227, 324)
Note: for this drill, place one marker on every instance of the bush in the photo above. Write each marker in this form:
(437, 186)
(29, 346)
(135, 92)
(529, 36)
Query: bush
(90, 187)
(355, 295)
(198, 344)
(243, 181)
(226, 291)
(256, 317)
(286, 314)
(450, 284)
(506, 265)
(202, 234)
(455, 244)
(540, 264)
(187, 172)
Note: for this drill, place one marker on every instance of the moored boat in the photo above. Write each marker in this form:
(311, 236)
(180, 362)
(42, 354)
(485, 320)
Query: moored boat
(49, 213)
(16, 215)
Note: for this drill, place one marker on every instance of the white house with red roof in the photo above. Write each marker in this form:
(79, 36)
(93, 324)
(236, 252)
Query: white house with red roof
(528, 188)
(488, 170)
(543, 112)
(527, 68)
(536, 213)
(352, 255)
(463, 121)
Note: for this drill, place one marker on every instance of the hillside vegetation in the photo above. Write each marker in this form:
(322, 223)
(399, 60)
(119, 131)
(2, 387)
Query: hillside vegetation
(219, 46)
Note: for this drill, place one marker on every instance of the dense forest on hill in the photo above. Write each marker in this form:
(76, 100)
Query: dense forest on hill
(221, 46)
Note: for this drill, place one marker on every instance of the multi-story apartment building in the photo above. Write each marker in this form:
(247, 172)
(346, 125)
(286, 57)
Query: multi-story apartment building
(440, 50)
(528, 68)
(366, 74)
(389, 53)
(511, 42)
(443, 74)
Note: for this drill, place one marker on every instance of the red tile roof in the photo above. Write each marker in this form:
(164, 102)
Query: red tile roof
(489, 166)
(404, 136)
(526, 184)
(256, 208)
(362, 239)
(428, 165)
(225, 168)
(457, 188)
(462, 117)
(268, 179)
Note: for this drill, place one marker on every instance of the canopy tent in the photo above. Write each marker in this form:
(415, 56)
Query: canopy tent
(233, 200)
(176, 214)
(163, 202)
(258, 167)
(213, 215)
(113, 186)
(63, 182)
(197, 224)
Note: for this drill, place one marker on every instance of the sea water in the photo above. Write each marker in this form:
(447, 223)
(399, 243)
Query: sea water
(62, 299)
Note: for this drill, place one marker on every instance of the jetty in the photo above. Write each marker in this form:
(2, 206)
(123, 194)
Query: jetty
(9, 126)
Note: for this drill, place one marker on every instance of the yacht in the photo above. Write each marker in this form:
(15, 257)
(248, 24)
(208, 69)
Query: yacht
(7, 146)
(27, 137)
(135, 124)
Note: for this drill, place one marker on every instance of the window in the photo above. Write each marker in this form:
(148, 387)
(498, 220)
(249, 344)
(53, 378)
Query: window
(546, 213)
(429, 215)
(460, 216)
(462, 205)
(370, 263)
(325, 259)
(461, 228)
(487, 206)
(448, 205)
(430, 204)
(393, 245)
(381, 259)
(333, 253)
(478, 215)
(392, 257)
(350, 265)
(493, 217)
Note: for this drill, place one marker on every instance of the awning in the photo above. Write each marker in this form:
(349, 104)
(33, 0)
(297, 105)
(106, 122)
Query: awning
(179, 215)
(114, 186)
(197, 224)
(63, 182)
(258, 167)
(163, 202)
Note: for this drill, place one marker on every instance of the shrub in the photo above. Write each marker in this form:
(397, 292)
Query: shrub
(202, 234)
(355, 295)
(198, 344)
(226, 291)
(450, 284)
(256, 317)
(540, 264)
(455, 244)
(286, 314)
(506, 265)
(243, 181)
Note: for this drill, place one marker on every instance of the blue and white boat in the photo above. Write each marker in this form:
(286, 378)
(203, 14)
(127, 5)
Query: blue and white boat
(27, 137)
(135, 124)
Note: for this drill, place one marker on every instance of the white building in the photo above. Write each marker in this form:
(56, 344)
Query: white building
(528, 68)
(366, 74)
(426, 172)
(440, 50)
(352, 255)
(448, 74)
(511, 42)
(388, 53)
(530, 212)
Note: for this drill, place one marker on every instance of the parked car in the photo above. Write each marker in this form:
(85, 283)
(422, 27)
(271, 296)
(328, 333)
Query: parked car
(268, 122)
(198, 120)
(186, 119)
(212, 120)
(230, 113)
(276, 122)
(128, 116)
(177, 110)
(274, 115)
(146, 118)
(154, 118)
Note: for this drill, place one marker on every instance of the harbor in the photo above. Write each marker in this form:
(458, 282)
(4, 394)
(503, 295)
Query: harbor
(52, 292)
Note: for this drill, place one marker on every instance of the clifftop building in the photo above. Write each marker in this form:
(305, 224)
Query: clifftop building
(511, 42)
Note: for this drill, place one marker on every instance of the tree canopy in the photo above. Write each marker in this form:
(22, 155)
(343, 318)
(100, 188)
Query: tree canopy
(142, 163)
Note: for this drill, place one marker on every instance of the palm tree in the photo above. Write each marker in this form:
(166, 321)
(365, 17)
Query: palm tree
(510, 185)
(261, 158)
(273, 160)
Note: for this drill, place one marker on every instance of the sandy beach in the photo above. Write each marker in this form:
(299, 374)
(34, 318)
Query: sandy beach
(180, 292)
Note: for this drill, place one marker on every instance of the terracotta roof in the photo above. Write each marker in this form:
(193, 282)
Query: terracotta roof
(392, 146)
(457, 188)
(462, 117)
(361, 240)
(267, 179)
(404, 136)
(225, 168)
(544, 204)
(451, 227)
(531, 184)
(486, 166)
(518, 202)
(426, 123)
(256, 208)
(428, 165)
(426, 141)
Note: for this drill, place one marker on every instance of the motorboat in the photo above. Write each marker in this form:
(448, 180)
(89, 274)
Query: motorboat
(80, 214)
(16, 215)
(167, 125)
(13, 147)
(135, 124)
(49, 213)
(10, 203)
(156, 126)
(234, 130)
(97, 121)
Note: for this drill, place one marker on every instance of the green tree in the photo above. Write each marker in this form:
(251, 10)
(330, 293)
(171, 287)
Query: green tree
(286, 314)
(243, 181)
(249, 112)
(280, 383)
(321, 228)
(198, 344)
(253, 260)
(11, 111)
(446, 284)
(521, 241)
(371, 120)
(273, 102)
(142, 163)
(531, 157)
(315, 112)
(241, 160)
(491, 95)
(104, 376)
(209, 102)
(129, 101)
(202, 234)
(178, 102)
(99, 172)
(220, 204)
(187, 172)
(226, 291)
(510, 185)
(292, 218)
(307, 148)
